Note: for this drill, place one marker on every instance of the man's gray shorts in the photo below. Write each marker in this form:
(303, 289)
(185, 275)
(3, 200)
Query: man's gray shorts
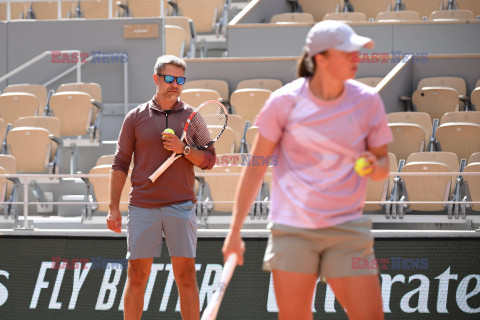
(147, 227)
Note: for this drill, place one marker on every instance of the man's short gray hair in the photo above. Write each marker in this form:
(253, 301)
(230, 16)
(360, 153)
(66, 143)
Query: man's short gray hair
(169, 59)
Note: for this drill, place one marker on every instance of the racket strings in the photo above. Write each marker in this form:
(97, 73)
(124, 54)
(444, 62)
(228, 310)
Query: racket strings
(206, 125)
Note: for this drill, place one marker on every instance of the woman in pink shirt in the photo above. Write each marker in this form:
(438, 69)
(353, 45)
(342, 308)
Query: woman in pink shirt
(318, 126)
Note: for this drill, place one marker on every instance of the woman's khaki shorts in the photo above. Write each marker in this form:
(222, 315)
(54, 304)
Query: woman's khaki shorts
(329, 252)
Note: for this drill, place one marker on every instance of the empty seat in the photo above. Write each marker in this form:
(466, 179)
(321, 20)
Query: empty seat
(436, 101)
(32, 149)
(93, 89)
(346, 16)
(459, 137)
(175, 40)
(227, 143)
(184, 23)
(269, 84)
(223, 187)
(407, 138)
(473, 183)
(14, 105)
(52, 124)
(9, 163)
(394, 16)
(203, 13)
(380, 190)
(42, 10)
(475, 98)
(448, 158)
(2, 130)
(142, 9)
(248, 102)
(468, 116)
(447, 15)
(420, 118)
(37, 90)
(75, 111)
(370, 81)
(456, 83)
(221, 86)
(195, 97)
(292, 17)
(102, 190)
(428, 187)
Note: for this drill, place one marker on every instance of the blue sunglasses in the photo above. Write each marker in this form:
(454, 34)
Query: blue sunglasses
(170, 79)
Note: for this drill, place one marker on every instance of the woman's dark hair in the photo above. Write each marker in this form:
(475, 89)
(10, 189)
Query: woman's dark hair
(306, 65)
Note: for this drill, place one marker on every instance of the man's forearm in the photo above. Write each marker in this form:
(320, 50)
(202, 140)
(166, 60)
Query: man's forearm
(196, 156)
(117, 182)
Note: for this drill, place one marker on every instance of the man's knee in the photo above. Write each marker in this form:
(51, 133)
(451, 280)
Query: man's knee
(185, 274)
(138, 272)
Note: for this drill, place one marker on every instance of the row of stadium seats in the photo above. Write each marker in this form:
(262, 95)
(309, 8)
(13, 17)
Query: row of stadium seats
(78, 106)
(457, 132)
(384, 16)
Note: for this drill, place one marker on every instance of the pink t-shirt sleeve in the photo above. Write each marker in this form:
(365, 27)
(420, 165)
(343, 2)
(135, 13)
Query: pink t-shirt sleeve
(380, 133)
(273, 117)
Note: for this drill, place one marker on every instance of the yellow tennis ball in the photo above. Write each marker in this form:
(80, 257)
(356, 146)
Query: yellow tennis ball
(168, 130)
(360, 165)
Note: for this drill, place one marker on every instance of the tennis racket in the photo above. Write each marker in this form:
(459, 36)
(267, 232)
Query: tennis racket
(199, 131)
(213, 306)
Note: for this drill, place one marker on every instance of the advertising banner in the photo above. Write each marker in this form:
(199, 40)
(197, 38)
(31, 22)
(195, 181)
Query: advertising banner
(84, 278)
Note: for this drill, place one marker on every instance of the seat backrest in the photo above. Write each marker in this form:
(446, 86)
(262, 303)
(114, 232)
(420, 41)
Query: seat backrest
(93, 89)
(97, 9)
(221, 86)
(74, 110)
(346, 16)
(436, 101)
(44, 10)
(2, 129)
(375, 189)
(37, 90)
(475, 157)
(370, 81)
(143, 8)
(101, 188)
(473, 183)
(195, 97)
(31, 148)
(460, 138)
(470, 116)
(441, 15)
(269, 84)
(223, 187)
(475, 98)
(182, 22)
(235, 122)
(456, 83)
(407, 138)
(175, 40)
(427, 187)
(390, 16)
(14, 105)
(249, 102)
(448, 158)
(52, 124)
(304, 17)
(250, 136)
(227, 141)
(204, 13)
(421, 118)
(105, 159)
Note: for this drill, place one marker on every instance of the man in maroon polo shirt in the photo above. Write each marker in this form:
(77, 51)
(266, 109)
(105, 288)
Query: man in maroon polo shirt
(164, 208)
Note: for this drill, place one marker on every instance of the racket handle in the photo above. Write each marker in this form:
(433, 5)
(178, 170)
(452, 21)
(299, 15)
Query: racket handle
(161, 169)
